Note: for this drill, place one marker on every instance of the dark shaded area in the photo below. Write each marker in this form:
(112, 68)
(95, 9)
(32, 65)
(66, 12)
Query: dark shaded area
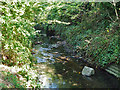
(38, 27)
(50, 33)
(45, 28)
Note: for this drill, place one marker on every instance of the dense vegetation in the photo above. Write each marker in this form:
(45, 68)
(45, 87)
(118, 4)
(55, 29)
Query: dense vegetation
(90, 28)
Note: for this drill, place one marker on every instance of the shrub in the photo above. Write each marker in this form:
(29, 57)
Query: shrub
(17, 31)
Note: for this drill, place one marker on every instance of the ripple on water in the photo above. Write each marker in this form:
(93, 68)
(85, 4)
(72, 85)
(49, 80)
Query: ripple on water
(39, 60)
(46, 54)
(44, 49)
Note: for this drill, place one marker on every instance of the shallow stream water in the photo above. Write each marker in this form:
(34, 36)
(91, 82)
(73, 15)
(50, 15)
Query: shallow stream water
(58, 69)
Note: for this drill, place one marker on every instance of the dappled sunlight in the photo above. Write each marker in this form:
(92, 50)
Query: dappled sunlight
(57, 21)
(59, 44)
(18, 71)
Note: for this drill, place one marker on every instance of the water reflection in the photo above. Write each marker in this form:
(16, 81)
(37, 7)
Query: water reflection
(39, 60)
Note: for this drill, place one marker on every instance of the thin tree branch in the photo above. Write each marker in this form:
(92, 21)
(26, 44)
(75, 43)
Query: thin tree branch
(114, 3)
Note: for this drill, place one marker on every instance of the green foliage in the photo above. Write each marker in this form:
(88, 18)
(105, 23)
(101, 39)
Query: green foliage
(93, 32)
(17, 32)
(2, 85)
(93, 28)
(14, 80)
(23, 73)
(30, 75)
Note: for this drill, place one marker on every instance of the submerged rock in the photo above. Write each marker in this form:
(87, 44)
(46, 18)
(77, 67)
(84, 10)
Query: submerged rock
(87, 71)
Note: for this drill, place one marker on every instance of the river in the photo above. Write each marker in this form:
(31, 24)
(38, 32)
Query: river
(58, 69)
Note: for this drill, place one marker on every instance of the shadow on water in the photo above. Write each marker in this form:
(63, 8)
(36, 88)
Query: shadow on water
(57, 69)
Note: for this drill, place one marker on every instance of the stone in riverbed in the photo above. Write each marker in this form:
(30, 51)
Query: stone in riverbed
(87, 71)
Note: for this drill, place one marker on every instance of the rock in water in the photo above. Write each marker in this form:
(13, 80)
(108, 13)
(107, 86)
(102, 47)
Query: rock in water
(87, 71)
